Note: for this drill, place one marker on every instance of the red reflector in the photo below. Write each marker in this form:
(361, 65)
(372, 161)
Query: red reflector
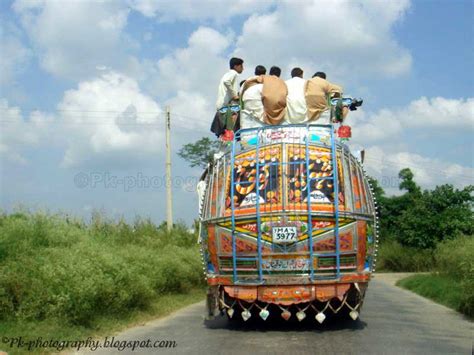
(344, 132)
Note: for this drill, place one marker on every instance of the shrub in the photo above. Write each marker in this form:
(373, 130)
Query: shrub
(55, 267)
(392, 256)
(439, 288)
(455, 258)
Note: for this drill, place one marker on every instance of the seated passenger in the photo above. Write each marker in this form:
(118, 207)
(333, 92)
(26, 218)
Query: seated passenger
(226, 91)
(226, 95)
(317, 92)
(251, 111)
(260, 70)
(276, 71)
(274, 93)
(295, 102)
(263, 101)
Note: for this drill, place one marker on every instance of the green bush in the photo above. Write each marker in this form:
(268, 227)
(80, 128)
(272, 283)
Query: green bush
(421, 219)
(392, 256)
(439, 288)
(455, 258)
(54, 267)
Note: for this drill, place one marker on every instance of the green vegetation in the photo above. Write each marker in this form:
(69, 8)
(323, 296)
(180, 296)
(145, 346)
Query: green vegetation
(453, 282)
(200, 153)
(440, 289)
(62, 276)
(455, 259)
(412, 225)
(430, 230)
(421, 219)
(392, 256)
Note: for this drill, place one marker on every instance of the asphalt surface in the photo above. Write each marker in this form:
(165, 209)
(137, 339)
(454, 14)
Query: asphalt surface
(393, 321)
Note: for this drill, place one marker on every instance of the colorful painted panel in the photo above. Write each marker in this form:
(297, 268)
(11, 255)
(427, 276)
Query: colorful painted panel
(346, 242)
(215, 193)
(249, 227)
(250, 184)
(349, 206)
(243, 243)
(356, 188)
(369, 249)
(211, 246)
(320, 169)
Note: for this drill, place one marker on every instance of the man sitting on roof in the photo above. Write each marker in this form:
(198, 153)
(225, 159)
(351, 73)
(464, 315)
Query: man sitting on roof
(273, 95)
(295, 102)
(251, 111)
(227, 90)
(317, 93)
(225, 119)
(276, 71)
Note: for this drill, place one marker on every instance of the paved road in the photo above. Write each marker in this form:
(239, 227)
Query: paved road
(393, 321)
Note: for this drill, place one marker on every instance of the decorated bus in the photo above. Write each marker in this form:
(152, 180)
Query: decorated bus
(288, 225)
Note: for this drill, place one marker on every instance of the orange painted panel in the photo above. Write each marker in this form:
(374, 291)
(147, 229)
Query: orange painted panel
(211, 246)
(248, 294)
(361, 247)
(288, 295)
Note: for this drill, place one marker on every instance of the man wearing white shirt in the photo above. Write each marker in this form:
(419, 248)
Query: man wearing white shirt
(227, 90)
(295, 101)
(251, 114)
(225, 122)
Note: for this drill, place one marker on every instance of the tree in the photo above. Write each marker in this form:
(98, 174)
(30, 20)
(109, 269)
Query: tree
(408, 183)
(440, 214)
(423, 219)
(378, 191)
(199, 153)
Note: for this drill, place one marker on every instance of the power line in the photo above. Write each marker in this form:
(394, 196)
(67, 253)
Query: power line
(81, 111)
(118, 124)
(159, 113)
(113, 119)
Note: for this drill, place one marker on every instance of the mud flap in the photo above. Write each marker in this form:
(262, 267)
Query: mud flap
(212, 302)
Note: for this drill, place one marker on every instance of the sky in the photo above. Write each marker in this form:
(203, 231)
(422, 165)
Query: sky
(84, 86)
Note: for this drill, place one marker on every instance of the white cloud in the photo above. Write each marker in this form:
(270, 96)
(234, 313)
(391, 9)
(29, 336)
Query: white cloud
(17, 134)
(428, 172)
(171, 10)
(344, 38)
(187, 79)
(14, 55)
(72, 38)
(191, 110)
(196, 68)
(436, 113)
(440, 112)
(109, 119)
(387, 153)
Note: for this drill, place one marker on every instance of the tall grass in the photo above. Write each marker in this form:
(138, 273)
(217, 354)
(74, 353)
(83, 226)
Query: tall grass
(57, 267)
(455, 259)
(392, 256)
(439, 288)
(452, 264)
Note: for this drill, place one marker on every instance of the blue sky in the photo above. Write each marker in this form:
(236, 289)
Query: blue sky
(83, 86)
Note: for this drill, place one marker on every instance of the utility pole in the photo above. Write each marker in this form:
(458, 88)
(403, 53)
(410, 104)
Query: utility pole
(169, 199)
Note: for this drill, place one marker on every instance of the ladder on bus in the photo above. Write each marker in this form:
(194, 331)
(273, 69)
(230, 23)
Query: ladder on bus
(335, 228)
(335, 182)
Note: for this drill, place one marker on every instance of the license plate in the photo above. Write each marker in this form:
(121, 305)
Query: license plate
(282, 235)
(285, 264)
